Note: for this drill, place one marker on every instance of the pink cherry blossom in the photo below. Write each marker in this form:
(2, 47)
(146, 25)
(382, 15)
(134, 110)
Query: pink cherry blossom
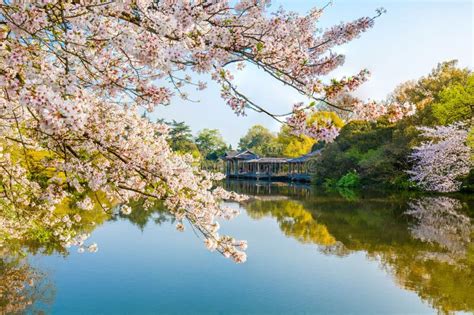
(443, 159)
(76, 76)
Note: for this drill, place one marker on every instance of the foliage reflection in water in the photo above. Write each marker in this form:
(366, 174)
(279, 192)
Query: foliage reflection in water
(423, 242)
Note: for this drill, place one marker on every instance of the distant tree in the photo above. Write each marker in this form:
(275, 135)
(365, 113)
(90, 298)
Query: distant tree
(456, 102)
(319, 125)
(408, 98)
(287, 143)
(181, 138)
(293, 146)
(428, 89)
(211, 144)
(325, 126)
(261, 141)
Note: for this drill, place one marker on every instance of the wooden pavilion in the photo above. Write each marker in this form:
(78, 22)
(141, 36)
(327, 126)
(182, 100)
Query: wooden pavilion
(266, 168)
(246, 164)
(299, 169)
(234, 161)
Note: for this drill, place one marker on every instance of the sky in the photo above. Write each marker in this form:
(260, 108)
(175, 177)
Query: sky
(406, 43)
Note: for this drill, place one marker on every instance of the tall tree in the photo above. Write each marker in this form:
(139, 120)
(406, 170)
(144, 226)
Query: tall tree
(293, 146)
(427, 89)
(181, 138)
(211, 144)
(260, 140)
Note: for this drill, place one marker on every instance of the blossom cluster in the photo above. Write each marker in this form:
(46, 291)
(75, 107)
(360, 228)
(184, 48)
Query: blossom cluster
(300, 124)
(373, 110)
(443, 159)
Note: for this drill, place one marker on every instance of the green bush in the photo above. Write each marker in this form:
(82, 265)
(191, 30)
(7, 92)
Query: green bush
(351, 179)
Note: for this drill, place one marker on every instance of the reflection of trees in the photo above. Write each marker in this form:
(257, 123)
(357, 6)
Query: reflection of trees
(141, 216)
(21, 287)
(58, 234)
(441, 271)
(438, 222)
(25, 289)
(427, 248)
(294, 220)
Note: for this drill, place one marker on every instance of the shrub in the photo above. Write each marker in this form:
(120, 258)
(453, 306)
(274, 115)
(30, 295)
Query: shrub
(351, 179)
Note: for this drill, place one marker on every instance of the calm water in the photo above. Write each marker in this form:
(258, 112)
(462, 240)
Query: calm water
(309, 253)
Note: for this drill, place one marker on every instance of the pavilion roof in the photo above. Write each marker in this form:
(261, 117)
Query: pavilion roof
(305, 157)
(240, 155)
(268, 160)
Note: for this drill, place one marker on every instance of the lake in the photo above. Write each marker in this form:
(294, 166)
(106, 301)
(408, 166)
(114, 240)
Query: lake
(310, 252)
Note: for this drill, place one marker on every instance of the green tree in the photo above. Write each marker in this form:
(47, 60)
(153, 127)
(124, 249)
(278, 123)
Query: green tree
(211, 144)
(427, 89)
(180, 137)
(293, 146)
(261, 141)
(456, 102)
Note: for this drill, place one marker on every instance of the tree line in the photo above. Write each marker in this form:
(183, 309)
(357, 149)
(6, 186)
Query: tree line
(383, 153)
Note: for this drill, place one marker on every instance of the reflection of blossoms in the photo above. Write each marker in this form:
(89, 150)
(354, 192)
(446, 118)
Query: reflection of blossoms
(79, 241)
(438, 222)
(20, 287)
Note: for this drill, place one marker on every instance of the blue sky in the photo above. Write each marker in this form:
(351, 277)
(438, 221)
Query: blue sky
(405, 43)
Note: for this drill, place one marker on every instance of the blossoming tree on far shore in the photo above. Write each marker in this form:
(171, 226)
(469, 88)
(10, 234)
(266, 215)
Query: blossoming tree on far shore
(442, 160)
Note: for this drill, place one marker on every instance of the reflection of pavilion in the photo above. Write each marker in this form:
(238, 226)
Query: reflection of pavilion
(248, 165)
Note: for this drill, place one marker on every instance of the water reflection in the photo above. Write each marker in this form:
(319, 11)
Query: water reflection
(438, 221)
(22, 287)
(425, 243)
(141, 217)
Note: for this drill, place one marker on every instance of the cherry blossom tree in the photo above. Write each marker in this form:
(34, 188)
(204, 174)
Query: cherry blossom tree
(76, 75)
(443, 159)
